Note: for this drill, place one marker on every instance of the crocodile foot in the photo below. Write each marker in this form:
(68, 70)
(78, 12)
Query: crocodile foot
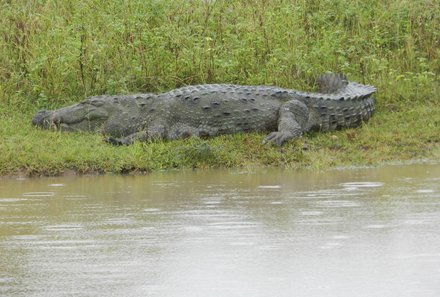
(279, 138)
(116, 141)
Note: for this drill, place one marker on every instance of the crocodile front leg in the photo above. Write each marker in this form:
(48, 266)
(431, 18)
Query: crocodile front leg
(292, 122)
(153, 132)
(138, 136)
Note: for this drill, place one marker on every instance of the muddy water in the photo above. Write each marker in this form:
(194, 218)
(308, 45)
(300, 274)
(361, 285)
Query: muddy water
(357, 232)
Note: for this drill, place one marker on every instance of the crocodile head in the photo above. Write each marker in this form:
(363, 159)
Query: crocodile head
(88, 115)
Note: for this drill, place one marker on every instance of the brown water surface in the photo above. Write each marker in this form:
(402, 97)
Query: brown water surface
(355, 232)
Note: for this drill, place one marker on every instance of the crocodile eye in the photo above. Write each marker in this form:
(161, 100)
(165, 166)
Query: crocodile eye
(97, 115)
(96, 103)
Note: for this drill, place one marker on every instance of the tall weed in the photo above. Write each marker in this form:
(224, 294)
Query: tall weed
(55, 52)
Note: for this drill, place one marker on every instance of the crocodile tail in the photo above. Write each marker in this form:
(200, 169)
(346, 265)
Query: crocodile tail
(332, 83)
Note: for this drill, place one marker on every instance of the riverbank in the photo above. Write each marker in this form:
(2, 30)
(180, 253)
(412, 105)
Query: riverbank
(56, 53)
(388, 137)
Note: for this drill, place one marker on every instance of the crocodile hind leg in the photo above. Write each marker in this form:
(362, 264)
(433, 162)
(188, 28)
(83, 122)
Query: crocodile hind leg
(292, 122)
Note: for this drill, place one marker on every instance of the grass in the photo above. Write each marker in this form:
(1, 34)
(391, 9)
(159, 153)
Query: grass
(53, 53)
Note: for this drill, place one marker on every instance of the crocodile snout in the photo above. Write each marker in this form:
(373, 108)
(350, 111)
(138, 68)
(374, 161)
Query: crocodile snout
(42, 118)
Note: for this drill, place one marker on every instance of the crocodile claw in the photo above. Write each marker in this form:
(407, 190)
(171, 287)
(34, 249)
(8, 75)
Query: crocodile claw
(278, 138)
(115, 141)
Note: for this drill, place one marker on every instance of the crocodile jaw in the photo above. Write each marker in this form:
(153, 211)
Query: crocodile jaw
(79, 117)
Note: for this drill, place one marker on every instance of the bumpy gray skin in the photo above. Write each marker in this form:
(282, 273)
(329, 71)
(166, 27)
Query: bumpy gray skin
(210, 110)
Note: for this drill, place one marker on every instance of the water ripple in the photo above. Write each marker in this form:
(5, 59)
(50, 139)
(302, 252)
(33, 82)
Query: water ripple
(337, 203)
(359, 185)
(38, 194)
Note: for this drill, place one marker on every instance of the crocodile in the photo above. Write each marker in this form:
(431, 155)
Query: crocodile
(214, 109)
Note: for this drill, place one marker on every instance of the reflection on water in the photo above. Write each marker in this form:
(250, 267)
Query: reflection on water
(363, 232)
